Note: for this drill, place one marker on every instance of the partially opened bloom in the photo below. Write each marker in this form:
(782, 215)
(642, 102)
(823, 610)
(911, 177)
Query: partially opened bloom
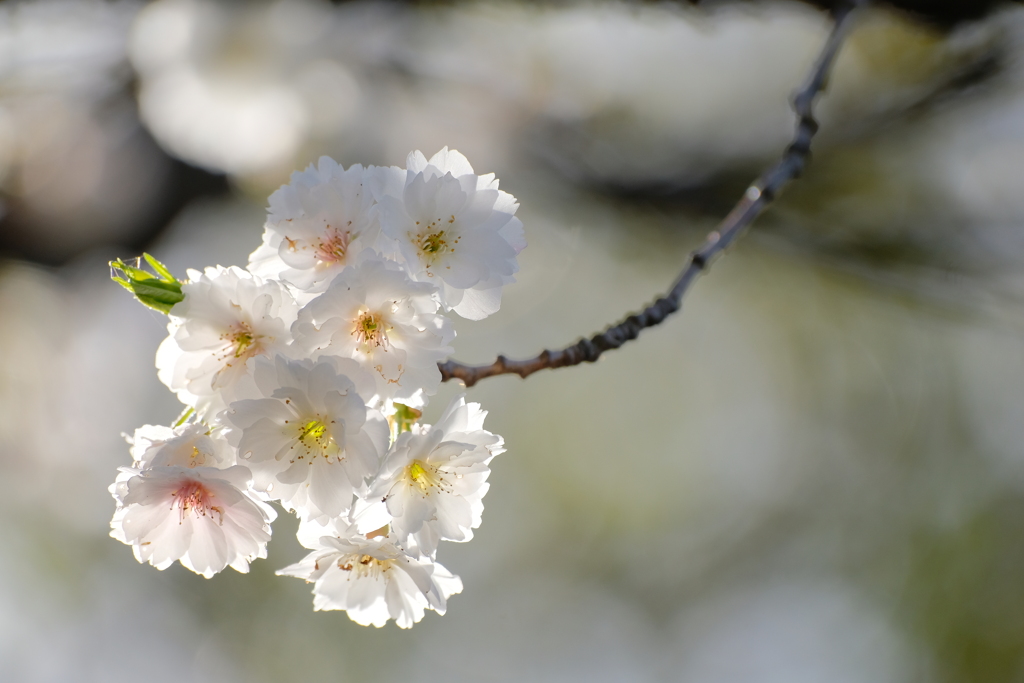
(373, 579)
(375, 314)
(228, 316)
(453, 228)
(203, 517)
(434, 479)
(190, 445)
(312, 439)
(318, 224)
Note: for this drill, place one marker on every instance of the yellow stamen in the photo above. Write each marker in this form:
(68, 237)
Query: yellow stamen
(434, 243)
(334, 246)
(426, 477)
(314, 429)
(370, 329)
(243, 340)
(417, 472)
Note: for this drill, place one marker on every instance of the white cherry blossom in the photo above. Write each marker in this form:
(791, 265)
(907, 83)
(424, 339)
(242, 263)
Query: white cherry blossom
(373, 579)
(453, 228)
(190, 445)
(228, 317)
(317, 225)
(203, 517)
(375, 314)
(311, 440)
(306, 377)
(433, 480)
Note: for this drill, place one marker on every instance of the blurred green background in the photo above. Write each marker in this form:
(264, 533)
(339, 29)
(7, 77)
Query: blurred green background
(813, 473)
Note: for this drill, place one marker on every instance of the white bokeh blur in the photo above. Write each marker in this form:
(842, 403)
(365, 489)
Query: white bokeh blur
(759, 490)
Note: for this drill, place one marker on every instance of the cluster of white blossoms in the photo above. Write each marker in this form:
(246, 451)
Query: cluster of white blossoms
(303, 378)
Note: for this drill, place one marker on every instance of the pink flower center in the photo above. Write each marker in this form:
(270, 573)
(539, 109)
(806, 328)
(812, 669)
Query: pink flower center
(333, 246)
(194, 497)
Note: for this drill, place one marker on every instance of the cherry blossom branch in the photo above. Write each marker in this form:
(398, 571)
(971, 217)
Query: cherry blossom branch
(757, 197)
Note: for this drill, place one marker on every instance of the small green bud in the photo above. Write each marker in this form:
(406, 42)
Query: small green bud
(160, 291)
(403, 419)
(406, 416)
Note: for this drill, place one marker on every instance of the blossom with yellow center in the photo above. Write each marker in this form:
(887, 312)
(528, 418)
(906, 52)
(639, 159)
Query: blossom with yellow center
(432, 483)
(374, 314)
(311, 440)
(373, 579)
(227, 318)
(188, 445)
(452, 228)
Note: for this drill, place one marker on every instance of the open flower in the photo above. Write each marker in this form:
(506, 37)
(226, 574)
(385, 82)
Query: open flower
(228, 317)
(203, 517)
(433, 480)
(374, 314)
(453, 228)
(190, 445)
(318, 224)
(306, 376)
(312, 440)
(373, 579)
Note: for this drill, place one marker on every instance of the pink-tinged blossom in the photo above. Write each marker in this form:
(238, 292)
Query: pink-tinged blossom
(228, 317)
(317, 225)
(433, 480)
(204, 517)
(452, 228)
(373, 579)
(374, 314)
(305, 375)
(311, 440)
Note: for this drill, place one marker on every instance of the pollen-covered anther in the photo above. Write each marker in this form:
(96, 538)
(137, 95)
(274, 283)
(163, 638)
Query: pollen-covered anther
(363, 565)
(426, 476)
(316, 440)
(333, 246)
(433, 243)
(314, 430)
(240, 341)
(371, 330)
(195, 497)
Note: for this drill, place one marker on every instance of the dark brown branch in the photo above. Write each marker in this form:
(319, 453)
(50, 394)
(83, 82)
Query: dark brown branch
(943, 13)
(754, 200)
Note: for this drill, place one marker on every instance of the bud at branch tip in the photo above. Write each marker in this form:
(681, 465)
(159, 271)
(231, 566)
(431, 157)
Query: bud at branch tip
(159, 291)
